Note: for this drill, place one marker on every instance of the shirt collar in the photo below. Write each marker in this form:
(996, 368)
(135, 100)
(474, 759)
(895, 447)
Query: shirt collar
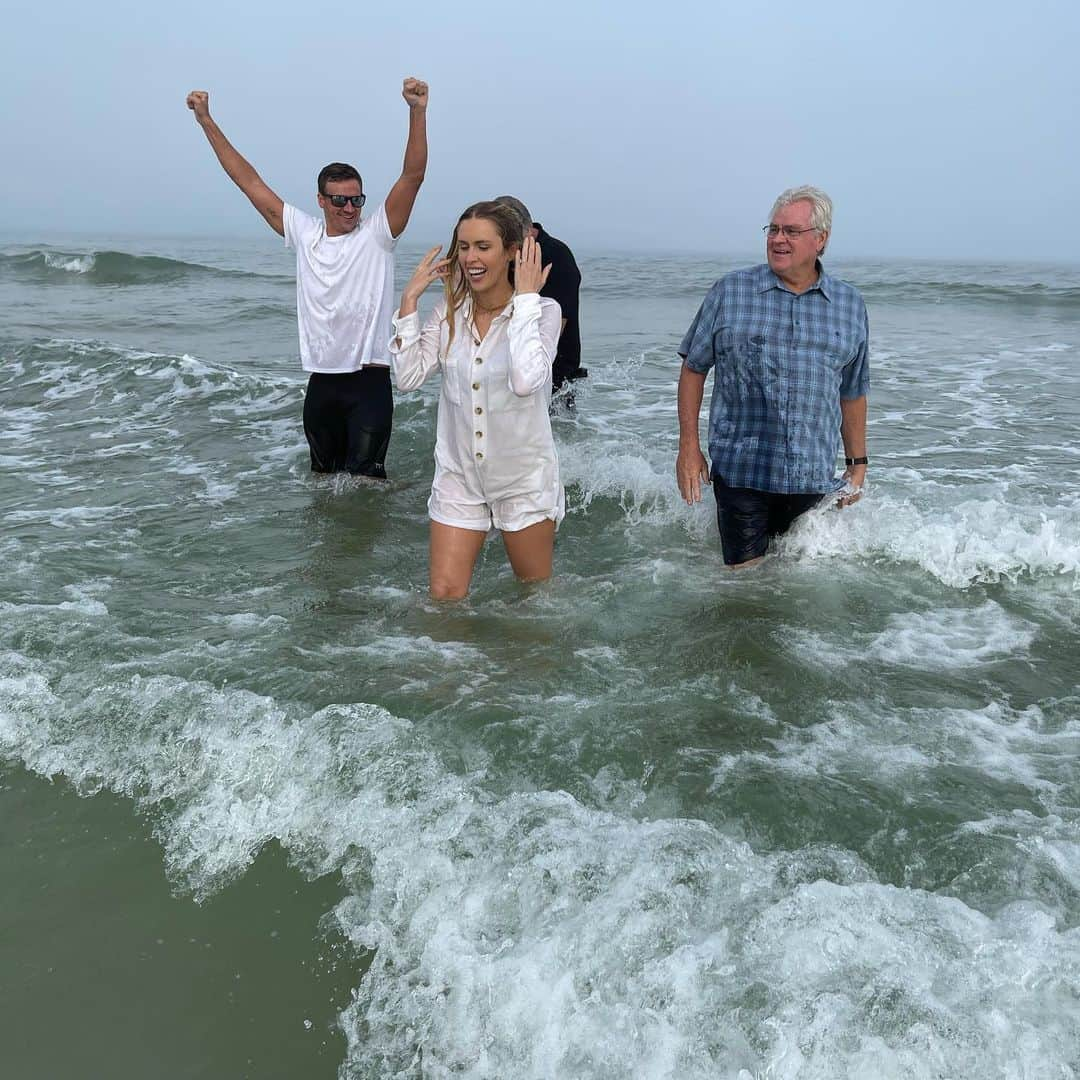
(823, 284)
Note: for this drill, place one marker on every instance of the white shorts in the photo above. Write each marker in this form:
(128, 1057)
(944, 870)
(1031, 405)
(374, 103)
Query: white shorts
(451, 504)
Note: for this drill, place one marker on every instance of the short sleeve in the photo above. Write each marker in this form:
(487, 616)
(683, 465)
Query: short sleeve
(855, 378)
(299, 227)
(697, 343)
(380, 227)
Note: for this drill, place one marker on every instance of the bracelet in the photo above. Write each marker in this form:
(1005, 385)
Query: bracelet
(856, 461)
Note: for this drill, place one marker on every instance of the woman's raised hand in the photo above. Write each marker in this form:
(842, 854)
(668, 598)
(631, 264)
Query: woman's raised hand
(431, 268)
(528, 274)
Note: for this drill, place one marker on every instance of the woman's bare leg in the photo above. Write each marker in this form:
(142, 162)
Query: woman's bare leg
(531, 550)
(453, 555)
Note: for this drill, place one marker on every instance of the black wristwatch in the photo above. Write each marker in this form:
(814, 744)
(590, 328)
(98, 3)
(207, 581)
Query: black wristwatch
(856, 461)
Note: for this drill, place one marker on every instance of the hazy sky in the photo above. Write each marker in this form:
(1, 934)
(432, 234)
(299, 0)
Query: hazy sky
(939, 128)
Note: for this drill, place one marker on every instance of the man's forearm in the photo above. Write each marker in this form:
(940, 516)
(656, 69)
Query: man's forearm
(239, 169)
(416, 148)
(853, 426)
(400, 201)
(244, 176)
(691, 392)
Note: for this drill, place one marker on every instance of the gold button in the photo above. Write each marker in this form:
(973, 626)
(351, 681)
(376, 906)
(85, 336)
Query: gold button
(479, 411)
(478, 455)
(476, 386)
(479, 434)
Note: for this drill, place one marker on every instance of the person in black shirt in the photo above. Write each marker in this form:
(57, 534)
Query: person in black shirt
(563, 283)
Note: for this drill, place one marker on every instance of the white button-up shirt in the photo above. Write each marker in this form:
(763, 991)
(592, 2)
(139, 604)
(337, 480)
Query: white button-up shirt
(493, 438)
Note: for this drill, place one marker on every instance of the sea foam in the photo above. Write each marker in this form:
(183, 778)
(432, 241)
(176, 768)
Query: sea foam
(531, 935)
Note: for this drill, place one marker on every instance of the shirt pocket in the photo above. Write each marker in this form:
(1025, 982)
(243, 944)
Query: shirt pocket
(501, 396)
(454, 373)
(832, 349)
(742, 362)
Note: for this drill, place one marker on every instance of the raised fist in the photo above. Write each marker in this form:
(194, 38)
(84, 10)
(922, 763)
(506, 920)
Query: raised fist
(415, 93)
(198, 101)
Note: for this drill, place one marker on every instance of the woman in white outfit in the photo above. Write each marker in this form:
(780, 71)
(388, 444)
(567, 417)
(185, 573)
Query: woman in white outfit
(493, 339)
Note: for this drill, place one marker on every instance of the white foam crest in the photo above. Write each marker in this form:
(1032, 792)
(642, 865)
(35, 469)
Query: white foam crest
(877, 982)
(403, 647)
(20, 423)
(632, 481)
(530, 936)
(189, 374)
(140, 450)
(73, 264)
(69, 381)
(19, 560)
(952, 639)
(249, 620)
(1048, 839)
(938, 640)
(93, 608)
(960, 544)
(71, 517)
(897, 747)
(217, 491)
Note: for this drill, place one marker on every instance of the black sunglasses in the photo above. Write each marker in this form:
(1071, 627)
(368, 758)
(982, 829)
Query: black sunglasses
(340, 200)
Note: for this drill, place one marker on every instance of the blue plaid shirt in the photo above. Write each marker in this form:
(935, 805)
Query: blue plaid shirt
(783, 363)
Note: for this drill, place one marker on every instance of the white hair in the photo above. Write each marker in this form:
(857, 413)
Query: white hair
(821, 205)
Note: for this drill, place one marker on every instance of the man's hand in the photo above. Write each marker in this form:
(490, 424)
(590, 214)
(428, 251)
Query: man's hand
(198, 101)
(415, 93)
(854, 478)
(691, 471)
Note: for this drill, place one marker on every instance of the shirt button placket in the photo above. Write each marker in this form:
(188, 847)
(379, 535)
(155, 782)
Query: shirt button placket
(478, 409)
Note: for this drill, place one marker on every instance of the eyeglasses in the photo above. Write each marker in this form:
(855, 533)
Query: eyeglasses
(789, 231)
(340, 200)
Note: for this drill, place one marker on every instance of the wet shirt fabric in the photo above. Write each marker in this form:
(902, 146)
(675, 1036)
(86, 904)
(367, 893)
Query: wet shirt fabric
(344, 291)
(495, 459)
(782, 362)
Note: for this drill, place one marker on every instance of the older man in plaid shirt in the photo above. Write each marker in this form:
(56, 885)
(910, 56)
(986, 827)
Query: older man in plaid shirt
(787, 343)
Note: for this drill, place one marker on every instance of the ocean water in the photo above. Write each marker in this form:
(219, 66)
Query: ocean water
(266, 810)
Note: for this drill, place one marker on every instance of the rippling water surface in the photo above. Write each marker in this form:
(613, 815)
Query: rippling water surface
(270, 811)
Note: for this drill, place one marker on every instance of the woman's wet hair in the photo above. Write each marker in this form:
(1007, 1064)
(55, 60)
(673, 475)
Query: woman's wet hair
(507, 224)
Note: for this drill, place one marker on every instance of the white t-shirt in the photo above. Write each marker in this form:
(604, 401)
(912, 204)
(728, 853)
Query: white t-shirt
(344, 291)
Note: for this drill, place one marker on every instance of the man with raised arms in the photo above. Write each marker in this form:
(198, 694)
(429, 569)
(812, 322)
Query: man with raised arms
(787, 344)
(344, 290)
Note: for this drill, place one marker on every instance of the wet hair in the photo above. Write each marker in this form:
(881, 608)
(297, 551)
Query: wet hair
(821, 206)
(335, 172)
(507, 224)
(518, 207)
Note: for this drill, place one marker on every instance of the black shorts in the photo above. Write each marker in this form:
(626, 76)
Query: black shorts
(748, 519)
(347, 421)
